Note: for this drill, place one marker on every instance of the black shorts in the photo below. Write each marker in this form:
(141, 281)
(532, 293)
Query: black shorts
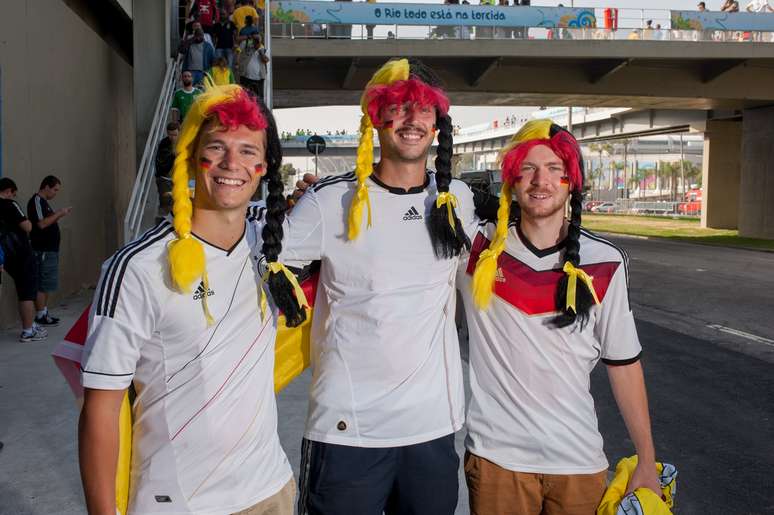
(25, 275)
(343, 480)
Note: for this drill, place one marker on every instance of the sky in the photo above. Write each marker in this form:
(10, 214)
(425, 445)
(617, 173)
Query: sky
(318, 119)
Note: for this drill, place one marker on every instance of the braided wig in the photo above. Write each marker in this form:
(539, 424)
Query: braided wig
(223, 108)
(564, 145)
(396, 82)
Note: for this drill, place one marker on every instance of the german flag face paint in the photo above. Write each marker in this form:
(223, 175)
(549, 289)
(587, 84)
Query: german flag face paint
(205, 164)
(387, 124)
(564, 181)
(517, 179)
(258, 169)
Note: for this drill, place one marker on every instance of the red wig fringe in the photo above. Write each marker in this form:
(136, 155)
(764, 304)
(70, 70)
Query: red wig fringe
(242, 110)
(561, 144)
(412, 91)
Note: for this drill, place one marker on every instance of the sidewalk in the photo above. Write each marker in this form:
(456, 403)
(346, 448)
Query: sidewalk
(39, 419)
(38, 423)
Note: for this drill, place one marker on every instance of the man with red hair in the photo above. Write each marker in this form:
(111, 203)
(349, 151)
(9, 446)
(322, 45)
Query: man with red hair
(546, 299)
(175, 320)
(387, 393)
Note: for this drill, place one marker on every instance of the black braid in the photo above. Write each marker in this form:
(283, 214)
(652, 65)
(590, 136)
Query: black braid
(279, 286)
(447, 243)
(584, 300)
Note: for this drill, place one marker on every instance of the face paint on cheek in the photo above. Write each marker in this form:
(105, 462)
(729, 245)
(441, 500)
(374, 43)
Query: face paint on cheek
(565, 181)
(434, 129)
(517, 179)
(259, 169)
(387, 124)
(205, 164)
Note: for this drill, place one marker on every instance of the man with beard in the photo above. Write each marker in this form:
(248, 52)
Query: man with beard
(184, 97)
(387, 393)
(545, 300)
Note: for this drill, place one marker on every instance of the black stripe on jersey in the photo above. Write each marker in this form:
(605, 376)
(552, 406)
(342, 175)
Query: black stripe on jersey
(125, 263)
(111, 286)
(622, 362)
(104, 373)
(624, 257)
(256, 214)
(107, 280)
(347, 177)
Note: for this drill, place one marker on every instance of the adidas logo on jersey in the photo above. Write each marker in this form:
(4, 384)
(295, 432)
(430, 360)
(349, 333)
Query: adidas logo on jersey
(499, 277)
(412, 214)
(199, 293)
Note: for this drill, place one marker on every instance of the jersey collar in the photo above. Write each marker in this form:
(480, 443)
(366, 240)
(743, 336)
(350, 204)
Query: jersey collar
(541, 253)
(400, 191)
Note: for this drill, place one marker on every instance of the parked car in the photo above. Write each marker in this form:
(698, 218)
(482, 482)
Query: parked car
(605, 207)
(652, 208)
(591, 204)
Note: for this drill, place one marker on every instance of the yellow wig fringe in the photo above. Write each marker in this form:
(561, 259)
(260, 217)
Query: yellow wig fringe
(486, 266)
(392, 71)
(186, 253)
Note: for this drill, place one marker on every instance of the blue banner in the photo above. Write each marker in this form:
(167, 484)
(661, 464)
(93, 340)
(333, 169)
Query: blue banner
(719, 20)
(364, 13)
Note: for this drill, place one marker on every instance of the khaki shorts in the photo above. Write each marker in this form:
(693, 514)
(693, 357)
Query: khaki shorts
(498, 491)
(280, 503)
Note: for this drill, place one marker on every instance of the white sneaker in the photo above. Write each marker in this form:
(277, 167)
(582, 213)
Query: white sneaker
(37, 334)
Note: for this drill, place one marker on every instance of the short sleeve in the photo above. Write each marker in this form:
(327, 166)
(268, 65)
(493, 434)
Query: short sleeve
(303, 230)
(15, 213)
(35, 209)
(122, 319)
(615, 326)
(466, 209)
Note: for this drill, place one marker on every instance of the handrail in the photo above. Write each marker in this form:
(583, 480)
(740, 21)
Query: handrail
(138, 202)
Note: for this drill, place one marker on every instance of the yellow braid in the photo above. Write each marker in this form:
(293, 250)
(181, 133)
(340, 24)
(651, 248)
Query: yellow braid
(363, 168)
(185, 253)
(486, 266)
(392, 71)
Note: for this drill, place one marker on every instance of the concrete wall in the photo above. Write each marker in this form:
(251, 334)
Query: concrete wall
(151, 52)
(721, 171)
(67, 110)
(756, 196)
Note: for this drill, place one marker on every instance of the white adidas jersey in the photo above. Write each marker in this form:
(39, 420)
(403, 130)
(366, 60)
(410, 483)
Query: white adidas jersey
(385, 355)
(530, 408)
(205, 417)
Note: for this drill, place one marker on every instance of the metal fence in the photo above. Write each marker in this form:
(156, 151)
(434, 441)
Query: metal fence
(463, 32)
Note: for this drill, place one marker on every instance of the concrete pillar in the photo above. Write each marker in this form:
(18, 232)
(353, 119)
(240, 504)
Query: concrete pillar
(720, 174)
(151, 25)
(756, 195)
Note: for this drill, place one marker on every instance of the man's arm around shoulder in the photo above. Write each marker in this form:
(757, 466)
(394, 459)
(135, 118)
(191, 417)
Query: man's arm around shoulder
(98, 434)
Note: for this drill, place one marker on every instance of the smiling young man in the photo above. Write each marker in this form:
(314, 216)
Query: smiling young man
(386, 394)
(545, 300)
(175, 316)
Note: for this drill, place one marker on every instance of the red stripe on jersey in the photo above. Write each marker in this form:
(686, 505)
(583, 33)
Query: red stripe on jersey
(533, 292)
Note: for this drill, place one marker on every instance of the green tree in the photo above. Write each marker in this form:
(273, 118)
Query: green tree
(288, 173)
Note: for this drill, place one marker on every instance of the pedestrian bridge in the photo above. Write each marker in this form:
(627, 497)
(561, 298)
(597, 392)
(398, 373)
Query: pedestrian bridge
(492, 55)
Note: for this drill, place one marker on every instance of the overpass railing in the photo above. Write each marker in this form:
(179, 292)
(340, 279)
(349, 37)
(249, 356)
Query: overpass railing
(297, 19)
(143, 184)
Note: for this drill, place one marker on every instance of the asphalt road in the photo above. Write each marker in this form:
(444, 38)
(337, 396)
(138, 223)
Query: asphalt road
(711, 391)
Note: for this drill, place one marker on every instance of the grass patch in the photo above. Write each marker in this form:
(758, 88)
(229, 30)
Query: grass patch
(671, 228)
